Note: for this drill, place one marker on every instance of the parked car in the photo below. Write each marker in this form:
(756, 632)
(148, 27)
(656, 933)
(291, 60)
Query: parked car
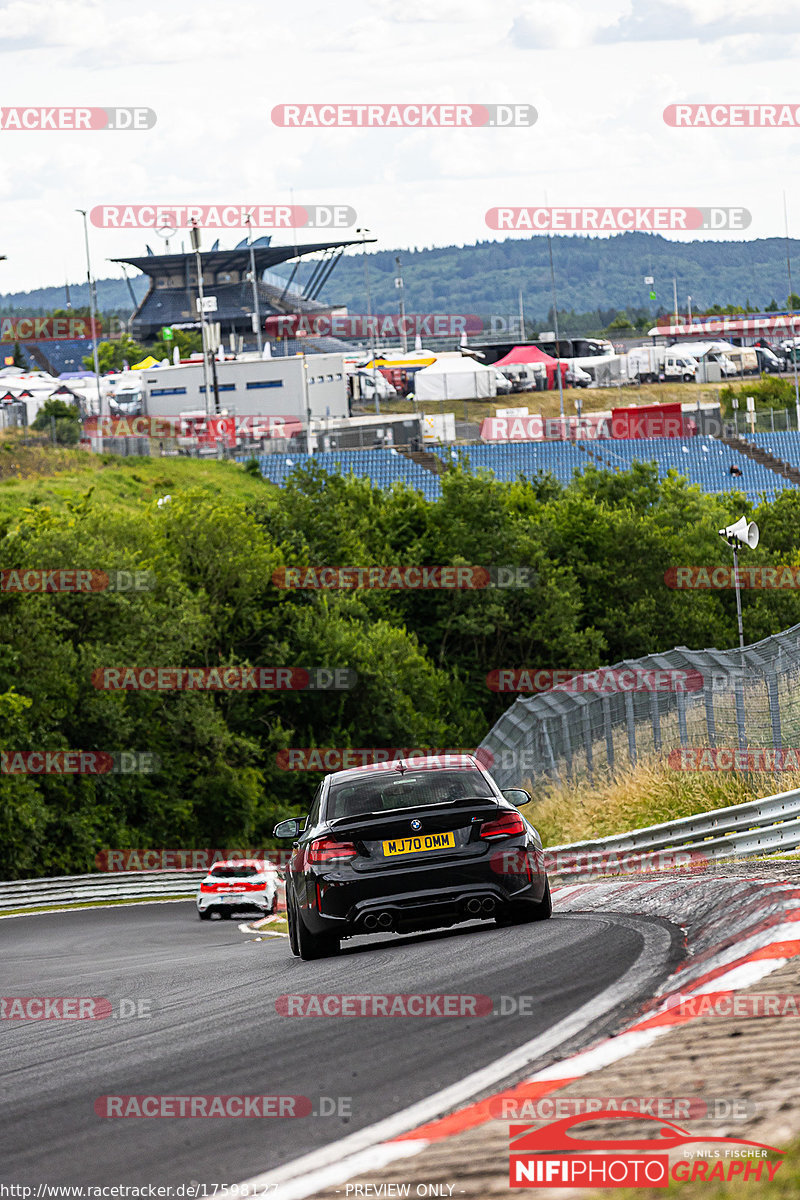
(504, 384)
(238, 885)
(767, 361)
(411, 845)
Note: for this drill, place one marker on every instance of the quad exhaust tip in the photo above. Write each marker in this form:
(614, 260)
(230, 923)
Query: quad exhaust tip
(382, 920)
(473, 905)
(488, 905)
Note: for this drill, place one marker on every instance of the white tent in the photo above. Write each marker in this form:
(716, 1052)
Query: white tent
(459, 378)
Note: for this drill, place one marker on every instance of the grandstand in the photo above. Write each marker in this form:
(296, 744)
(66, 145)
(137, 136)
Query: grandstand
(704, 461)
(383, 466)
(172, 293)
(784, 445)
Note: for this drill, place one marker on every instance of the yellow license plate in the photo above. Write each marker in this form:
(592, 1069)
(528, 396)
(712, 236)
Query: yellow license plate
(412, 845)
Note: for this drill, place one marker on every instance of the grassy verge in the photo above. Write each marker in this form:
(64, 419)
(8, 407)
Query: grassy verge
(43, 475)
(279, 925)
(645, 795)
(67, 907)
(548, 403)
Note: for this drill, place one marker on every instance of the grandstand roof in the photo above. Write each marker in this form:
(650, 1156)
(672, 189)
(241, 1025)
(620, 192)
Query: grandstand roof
(236, 259)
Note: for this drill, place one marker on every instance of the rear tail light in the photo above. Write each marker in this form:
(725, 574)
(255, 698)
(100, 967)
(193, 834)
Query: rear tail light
(325, 850)
(509, 825)
(206, 887)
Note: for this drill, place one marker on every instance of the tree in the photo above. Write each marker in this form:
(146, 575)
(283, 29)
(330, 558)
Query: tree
(112, 356)
(65, 419)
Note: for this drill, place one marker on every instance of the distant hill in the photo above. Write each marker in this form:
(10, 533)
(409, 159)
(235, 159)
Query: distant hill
(592, 275)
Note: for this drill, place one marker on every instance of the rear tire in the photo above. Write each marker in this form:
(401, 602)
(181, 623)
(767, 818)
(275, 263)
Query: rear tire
(314, 945)
(226, 914)
(292, 928)
(522, 914)
(204, 914)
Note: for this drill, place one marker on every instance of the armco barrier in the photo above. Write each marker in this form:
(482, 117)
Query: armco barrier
(75, 890)
(760, 827)
(88, 889)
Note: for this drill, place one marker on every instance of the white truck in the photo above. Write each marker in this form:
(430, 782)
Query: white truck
(649, 364)
(708, 351)
(290, 386)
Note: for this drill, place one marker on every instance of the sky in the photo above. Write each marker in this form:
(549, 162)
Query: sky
(599, 77)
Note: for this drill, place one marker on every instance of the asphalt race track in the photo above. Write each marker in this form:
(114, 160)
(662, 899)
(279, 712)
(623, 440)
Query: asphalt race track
(214, 1030)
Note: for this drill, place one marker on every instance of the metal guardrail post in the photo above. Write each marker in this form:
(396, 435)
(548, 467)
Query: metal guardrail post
(774, 710)
(711, 724)
(553, 769)
(631, 727)
(680, 703)
(655, 717)
(567, 745)
(741, 724)
(587, 741)
(609, 733)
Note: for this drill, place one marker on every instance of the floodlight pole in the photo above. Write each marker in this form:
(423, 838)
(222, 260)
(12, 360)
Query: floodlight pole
(738, 597)
(791, 314)
(195, 235)
(256, 312)
(92, 312)
(373, 350)
(401, 286)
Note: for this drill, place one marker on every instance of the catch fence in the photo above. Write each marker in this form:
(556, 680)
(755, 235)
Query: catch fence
(605, 722)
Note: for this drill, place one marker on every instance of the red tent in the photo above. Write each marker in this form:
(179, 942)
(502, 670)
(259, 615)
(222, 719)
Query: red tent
(532, 354)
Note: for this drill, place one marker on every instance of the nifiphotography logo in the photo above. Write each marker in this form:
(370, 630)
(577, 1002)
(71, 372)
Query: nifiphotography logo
(552, 1156)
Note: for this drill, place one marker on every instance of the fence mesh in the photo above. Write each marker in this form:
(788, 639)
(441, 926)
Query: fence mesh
(606, 721)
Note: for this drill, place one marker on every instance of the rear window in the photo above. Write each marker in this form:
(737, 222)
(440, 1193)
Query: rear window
(239, 872)
(389, 791)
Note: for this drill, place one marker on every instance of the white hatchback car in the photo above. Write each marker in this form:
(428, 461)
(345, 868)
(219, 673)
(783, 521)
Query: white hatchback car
(238, 885)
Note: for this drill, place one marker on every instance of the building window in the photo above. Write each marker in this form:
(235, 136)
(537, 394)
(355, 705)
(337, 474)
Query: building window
(221, 387)
(168, 391)
(263, 383)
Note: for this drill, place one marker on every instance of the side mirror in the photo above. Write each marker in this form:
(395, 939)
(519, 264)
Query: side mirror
(287, 829)
(516, 796)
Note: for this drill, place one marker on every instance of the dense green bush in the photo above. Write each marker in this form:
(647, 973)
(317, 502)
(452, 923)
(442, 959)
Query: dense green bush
(598, 550)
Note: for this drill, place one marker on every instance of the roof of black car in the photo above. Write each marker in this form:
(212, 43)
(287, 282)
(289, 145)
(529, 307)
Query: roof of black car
(432, 762)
